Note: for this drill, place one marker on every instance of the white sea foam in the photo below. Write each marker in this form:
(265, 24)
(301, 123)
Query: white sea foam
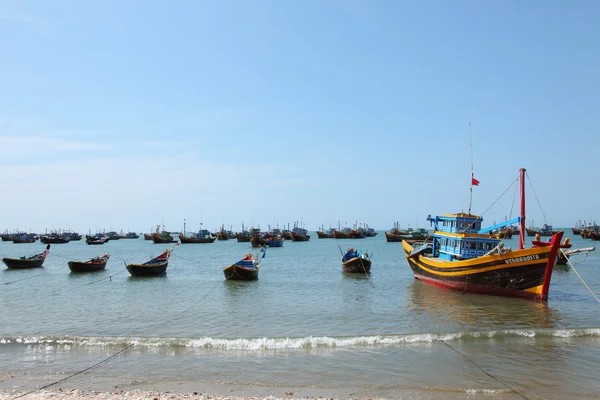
(310, 342)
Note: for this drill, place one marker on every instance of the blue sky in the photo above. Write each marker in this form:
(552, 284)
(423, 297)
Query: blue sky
(127, 114)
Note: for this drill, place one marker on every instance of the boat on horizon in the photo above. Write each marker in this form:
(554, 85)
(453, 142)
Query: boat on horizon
(465, 258)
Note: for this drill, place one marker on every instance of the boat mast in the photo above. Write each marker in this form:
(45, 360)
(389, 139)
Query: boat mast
(522, 227)
(472, 173)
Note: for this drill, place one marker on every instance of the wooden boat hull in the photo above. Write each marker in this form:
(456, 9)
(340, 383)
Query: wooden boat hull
(357, 265)
(242, 238)
(185, 239)
(95, 242)
(147, 237)
(257, 241)
(55, 240)
(222, 236)
(518, 273)
(340, 235)
(275, 242)
(19, 240)
(323, 235)
(17, 263)
(148, 269)
(160, 240)
(238, 273)
(84, 266)
(297, 237)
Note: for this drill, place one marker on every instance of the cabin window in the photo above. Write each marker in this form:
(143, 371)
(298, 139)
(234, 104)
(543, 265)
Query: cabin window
(488, 246)
(480, 246)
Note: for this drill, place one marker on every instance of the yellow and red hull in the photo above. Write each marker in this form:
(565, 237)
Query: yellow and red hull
(518, 273)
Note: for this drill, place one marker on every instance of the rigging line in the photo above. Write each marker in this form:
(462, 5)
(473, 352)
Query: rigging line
(484, 371)
(503, 193)
(513, 203)
(536, 198)
(22, 279)
(76, 373)
(582, 281)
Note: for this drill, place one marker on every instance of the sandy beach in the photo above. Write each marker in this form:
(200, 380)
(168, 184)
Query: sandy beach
(76, 394)
(101, 388)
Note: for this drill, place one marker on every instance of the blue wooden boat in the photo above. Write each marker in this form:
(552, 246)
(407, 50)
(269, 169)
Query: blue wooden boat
(245, 269)
(355, 261)
(464, 257)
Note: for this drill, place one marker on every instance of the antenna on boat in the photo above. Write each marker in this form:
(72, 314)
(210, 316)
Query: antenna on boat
(471, 160)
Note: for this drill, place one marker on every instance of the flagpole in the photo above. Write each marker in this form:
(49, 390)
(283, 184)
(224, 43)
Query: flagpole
(472, 173)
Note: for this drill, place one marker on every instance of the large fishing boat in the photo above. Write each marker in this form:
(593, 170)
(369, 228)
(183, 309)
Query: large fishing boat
(464, 257)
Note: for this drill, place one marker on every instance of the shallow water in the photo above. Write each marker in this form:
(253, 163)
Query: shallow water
(304, 323)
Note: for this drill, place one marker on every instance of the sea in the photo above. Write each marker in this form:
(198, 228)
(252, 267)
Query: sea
(304, 327)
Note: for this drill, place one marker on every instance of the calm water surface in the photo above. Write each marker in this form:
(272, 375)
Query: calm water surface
(302, 324)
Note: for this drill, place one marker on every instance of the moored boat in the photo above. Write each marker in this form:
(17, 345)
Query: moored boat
(355, 261)
(202, 236)
(155, 266)
(325, 234)
(24, 238)
(299, 234)
(245, 269)
(129, 235)
(93, 264)
(34, 261)
(464, 257)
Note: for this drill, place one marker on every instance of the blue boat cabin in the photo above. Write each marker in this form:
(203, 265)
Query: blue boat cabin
(460, 237)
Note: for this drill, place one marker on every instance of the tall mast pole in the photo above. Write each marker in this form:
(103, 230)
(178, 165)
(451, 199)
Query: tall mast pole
(522, 227)
(472, 173)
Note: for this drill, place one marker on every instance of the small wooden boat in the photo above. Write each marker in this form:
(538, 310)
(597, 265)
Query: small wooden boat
(147, 236)
(96, 239)
(34, 261)
(274, 240)
(299, 234)
(355, 261)
(245, 269)
(163, 237)
(258, 240)
(153, 267)
(222, 234)
(200, 237)
(341, 234)
(129, 235)
(55, 239)
(325, 234)
(24, 239)
(93, 264)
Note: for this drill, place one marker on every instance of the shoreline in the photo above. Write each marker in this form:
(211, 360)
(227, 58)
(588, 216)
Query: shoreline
(108, 388)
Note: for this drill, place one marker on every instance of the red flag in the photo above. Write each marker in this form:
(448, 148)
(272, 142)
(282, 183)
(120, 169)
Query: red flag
(474, 181)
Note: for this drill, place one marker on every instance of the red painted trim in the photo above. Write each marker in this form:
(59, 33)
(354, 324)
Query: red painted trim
(522, 230)
(555, 243)
(477, 289)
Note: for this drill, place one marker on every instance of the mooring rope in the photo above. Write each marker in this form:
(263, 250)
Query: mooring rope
(23, 279)
(76, 373)
(485, 372)
(582, 281)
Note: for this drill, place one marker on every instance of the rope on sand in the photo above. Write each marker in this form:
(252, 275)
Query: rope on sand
(76, 373)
